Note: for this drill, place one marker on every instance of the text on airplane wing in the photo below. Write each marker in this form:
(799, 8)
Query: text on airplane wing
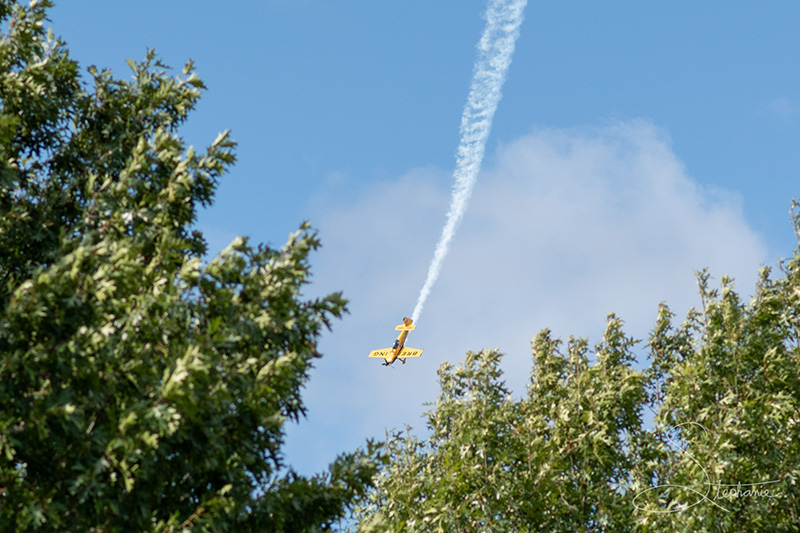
(409, 352)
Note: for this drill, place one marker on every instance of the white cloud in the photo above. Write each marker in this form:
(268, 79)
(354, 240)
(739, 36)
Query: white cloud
(565, 226)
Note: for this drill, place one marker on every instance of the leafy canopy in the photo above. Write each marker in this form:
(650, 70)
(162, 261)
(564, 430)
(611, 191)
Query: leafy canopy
(704, 439)
(141, 388)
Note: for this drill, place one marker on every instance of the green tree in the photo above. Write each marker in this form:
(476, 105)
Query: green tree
(141, 389)
(702, 439)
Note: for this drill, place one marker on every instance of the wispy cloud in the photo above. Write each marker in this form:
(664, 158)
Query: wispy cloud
(565, 227)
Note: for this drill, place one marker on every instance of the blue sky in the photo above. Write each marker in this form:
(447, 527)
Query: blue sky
(635, 143)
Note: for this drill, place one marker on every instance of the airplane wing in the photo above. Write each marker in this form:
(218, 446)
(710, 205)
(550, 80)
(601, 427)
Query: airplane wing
(409, 352)
(383, 354)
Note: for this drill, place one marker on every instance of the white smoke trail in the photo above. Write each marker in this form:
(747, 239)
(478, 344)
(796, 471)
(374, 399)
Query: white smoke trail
(503, 19)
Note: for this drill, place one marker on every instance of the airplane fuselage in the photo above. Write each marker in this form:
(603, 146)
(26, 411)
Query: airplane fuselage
(398, 345)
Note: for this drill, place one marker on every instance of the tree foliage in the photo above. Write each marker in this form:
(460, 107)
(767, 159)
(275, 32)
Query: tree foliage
(141, 388)
(704, 438)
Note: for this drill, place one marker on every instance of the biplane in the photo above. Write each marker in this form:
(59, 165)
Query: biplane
(398, 351)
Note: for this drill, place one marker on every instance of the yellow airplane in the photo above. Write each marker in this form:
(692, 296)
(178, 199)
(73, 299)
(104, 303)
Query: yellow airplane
(398, 351)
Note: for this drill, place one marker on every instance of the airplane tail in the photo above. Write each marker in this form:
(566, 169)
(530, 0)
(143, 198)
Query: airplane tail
(406, 325)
